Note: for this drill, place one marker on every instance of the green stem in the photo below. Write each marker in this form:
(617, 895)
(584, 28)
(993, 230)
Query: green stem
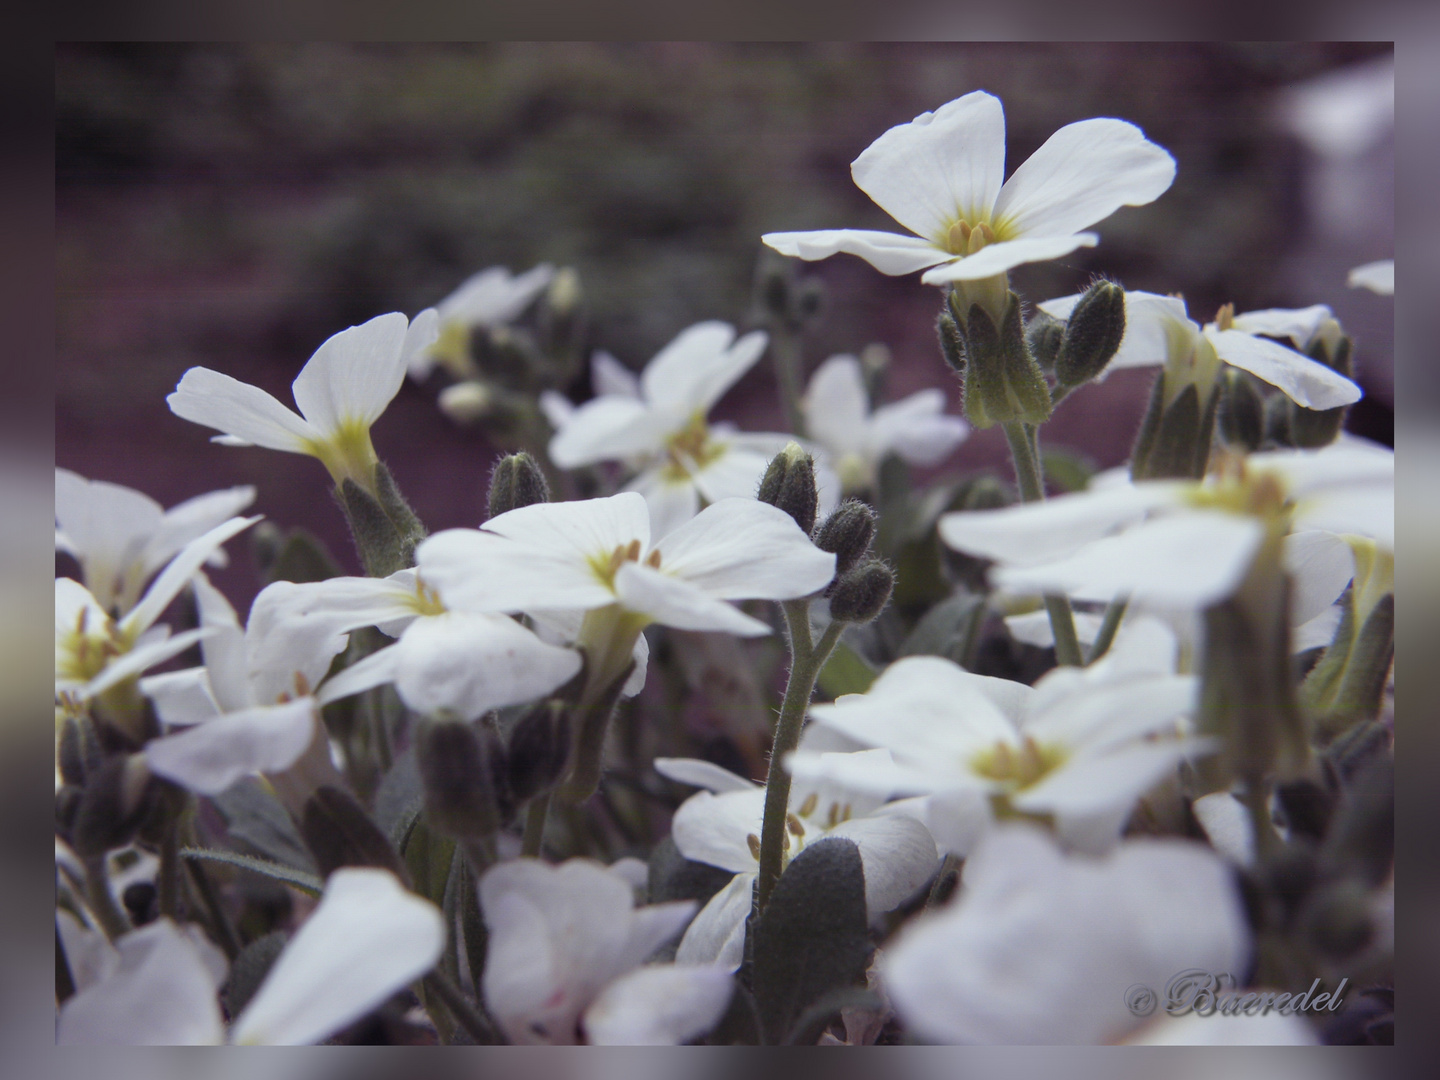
(168, 885)
(1267, 840)
(1024, 453)
(535, 815)
(1108, 625)
(806, 660)
(476, 1024)
(97, 897)
(785, 348)
(224, 930)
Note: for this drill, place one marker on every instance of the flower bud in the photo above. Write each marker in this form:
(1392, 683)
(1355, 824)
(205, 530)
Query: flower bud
(862, 594)
(1044, 333)
(952, 340)
(1092, 334)
(789, 484)
(563, 296)
(1174, 440)
(466, 402)
(117, 799)
(847, 534)
(458, 762)
(1311, 429)
(539, 750)
(516, 481)
(1003, 384)
(1241, 417)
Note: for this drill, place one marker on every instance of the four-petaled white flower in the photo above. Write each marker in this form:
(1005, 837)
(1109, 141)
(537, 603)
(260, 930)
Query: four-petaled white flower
(341, 391)
(838, 417)
(367, 938)
(1081, 746)
(1159, 331)
(564, 960)
(940, 176)
(1378, 277)
(658, 423)
(120, 536)
(491, 298)
(721, 826)
(1042, 947)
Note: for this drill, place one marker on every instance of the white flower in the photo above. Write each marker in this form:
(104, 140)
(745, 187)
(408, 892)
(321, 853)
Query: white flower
(120, 537)
(1040, 947)
(940, 176)
(721, 825)
(341, 391)
(1158, 331)
(563, 960)
(658, 424)
(1082, 745)
(1378, 277)
(598, 556)
(1182, 545)
(838, 417)
(94, 652)
(491, 298)
(367, 938)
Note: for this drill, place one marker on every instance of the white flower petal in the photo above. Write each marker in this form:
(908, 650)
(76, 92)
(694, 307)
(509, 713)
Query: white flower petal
(890, 253)
(493, 297)
(354, 374)
(671, 501)
(145, 655)
(1101, 783)
(608, 429)
(1080, 175)
(899, 856)
(608, 376)
(957, 818)
(674, 601)
(285, 653)
(716, 936)
(108, 528)
(942, 166)
(367, 938)
(1112, 712)
(1152, 323)
(917, 429)
(226, 662)
(179, 571)
(423, 332)
(1318, 632)
(181, 697)
(209, 757)
(1264, 1029)
(735, 473)
(837, 406)
(1320, 565)
(693, 372)
(377, 669)
(1033, 628)
(743, 548)
(1378, 277)
(1006, 255)
(664, 1005)
(1300, 325)
(701, 774)
(1361, 511)
(1306, 382)
(712, 829)
(1227, 823)
(239, 410)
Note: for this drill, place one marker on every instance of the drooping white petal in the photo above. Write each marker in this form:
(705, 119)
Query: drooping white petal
(175, 575)
(557, 409)
(663, 1005)
(354, 374)
(742, 548)
(712, 829)
(1306, 382)
(875, 773)
(1186, 561)
(1318, 632)
(493, 297)
(716, 936)
(422, 333)
(898, 853)
(693, 372)
(942, 166)
(1006, 255)
(240, 411)
(890, 253)
(675, 601)
(1378, 277)
(161, 993)
(287, 654)
(609, 428)
(226, 663)
(1112, 712)
(1348, 462)
(107, 527)
(608, 376)
(701, 774)
(211, 756)
(378, 669)
(367, 938)
(347, 602)
(1080, 175)
(1300, 325)
(1111, 781)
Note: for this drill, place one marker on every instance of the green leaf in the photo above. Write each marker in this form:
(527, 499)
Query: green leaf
(309, 883)
(339, 833)
(845, 673)
(249, 970)
(256, 819)
(812, 938)
(946, 629)
(400, 799)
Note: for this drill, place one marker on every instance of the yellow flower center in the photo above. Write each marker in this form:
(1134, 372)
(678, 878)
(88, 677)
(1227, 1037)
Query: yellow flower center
(690, 448)
(1017, 767)
(348, 454)
(605, 567)
(426, 600)
(964, 238)
(85, 651)
(1238, 489)
(804, 825)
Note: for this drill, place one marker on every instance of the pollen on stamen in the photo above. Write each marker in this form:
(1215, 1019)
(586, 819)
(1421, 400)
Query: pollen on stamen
(808, 806)
(753, 842)
(793, 824)
(653, 559)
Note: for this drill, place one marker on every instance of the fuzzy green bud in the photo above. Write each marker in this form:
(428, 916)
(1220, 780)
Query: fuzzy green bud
(847, 534)
(1241, 419)
(517, 480)
(1092, 334)
(1044, 334)
(952, 340)
(539, 749)
(458, 763)
(862, 594)
(1003, 383)
(789, 484)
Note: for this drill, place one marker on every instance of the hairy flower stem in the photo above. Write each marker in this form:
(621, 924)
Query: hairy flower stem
(785, 351)
(168, 878)
(1108, 625)
(1257, 802)
(101, 903)
(806, 659)
(535, 815)
(1026, 458)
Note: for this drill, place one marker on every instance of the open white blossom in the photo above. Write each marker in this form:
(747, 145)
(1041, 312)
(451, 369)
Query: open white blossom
(1378, 277)
(1159, 331)
(658, 424)
(1081, 746)
(720, 826)
(491, 298)
(838, 417)
(121, 537)
(367, 938)
(563, 961)
(940, 177)
(341, 391)
(1041, 947)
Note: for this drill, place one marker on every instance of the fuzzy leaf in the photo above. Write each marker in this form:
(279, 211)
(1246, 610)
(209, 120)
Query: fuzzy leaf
(256, 819)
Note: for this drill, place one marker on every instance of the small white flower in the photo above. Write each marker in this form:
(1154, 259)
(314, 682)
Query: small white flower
(721, 826)
(1158, 331)
(491, 298)
(1378, 277)
(341, 391)
(1041, 947)
(120, 537)
(940, 176)
(563, 961)
(1081, 746)
(367, 938)
(838, 416)
(658, 424)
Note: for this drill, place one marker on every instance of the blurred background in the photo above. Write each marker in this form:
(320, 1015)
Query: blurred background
(234, 205)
